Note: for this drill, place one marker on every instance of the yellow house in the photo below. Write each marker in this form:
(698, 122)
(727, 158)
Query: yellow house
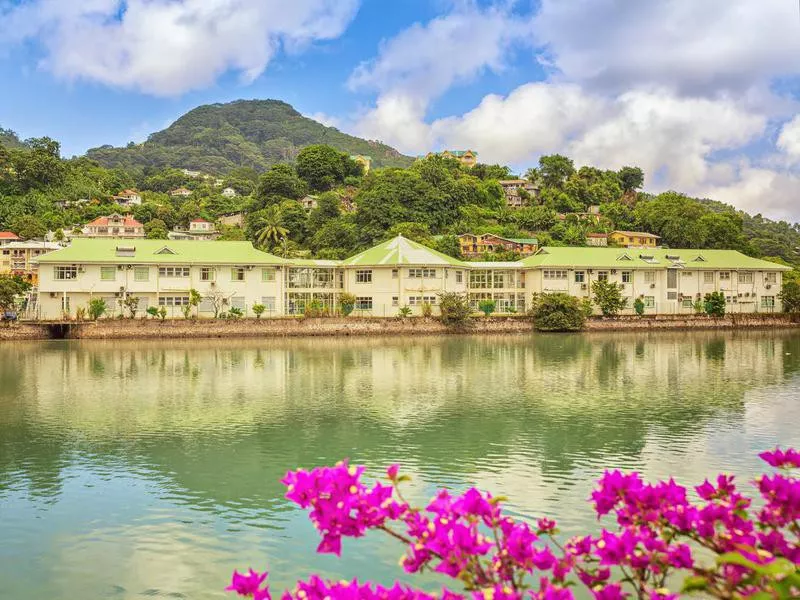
(468, 158)
(633, 239)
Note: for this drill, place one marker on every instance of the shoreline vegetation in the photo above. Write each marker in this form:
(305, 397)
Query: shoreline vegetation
(369, 326)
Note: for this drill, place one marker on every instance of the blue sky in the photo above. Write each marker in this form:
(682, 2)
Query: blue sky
(696, 93)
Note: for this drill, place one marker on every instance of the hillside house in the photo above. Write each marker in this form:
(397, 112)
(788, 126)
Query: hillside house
(229, 192)
(468, 158)
(473, 246)
(364, 161)
(6, 237)
(633, 239)
(597, 239)
(114, 226)
(181, 192)
(309, 202)
(198, 230)
(19, 258)
(512, 188)
(128, 198)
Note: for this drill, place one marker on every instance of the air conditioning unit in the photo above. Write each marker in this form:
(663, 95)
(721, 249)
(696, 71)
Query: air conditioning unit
(613, 271)
(652, 286)
(53, 295)
(583, 286)
(768, 286)
(120, 267)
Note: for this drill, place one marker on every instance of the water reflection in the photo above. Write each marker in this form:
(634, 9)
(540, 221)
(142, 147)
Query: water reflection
(137, 450)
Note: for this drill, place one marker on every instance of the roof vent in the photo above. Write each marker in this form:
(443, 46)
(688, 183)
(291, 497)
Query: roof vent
(648, 258)
(699, 259)
(624, 257)
(166, 250)
(126, 251)
(673, 257)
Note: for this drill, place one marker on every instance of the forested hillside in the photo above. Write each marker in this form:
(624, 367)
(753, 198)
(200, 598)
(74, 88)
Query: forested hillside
(217, 138)
(432, 201)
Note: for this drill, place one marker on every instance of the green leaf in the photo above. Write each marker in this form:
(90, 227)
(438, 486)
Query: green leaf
(403, 478)
(734, 558)
(694, 583)
(778, 567)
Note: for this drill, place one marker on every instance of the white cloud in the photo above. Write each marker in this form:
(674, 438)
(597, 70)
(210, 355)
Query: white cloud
(167, 47)
(690, 46)
(789, 139)
(758, 190)
(423, 61)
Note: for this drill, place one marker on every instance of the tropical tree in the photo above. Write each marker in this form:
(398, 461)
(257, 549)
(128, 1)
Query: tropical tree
(272, 229)
(557, 312)
(715, 304)
(608, 297)
(97, 308)
(487, 307)
(790, 297)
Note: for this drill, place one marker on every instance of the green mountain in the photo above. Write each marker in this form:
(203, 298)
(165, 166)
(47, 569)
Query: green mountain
(217, 138)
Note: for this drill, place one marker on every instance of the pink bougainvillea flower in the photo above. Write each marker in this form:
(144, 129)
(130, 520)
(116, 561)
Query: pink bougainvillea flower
(248, 584)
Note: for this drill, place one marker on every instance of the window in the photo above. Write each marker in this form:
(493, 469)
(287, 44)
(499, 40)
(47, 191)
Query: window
(141, 274)
(687, 303)
(649, 276)
(708, 277)
(770, 278)
(207, 274)
(767, 301)
(364, 302)
(64, 273)
(364, 276)
(479, 280)
(173, 301)
(237, 274)
(580, 276)
(268, 302)
(395, 300)
(394, 273)
(238, 302)
(548, 274)
(649, 301)
(627, 277)
(108, 273)
(420, 300)
(686, 273)
(672, 295)
(267, 274)
(724, 276)
(460, 276)
(173, 271)
(602, 276)
(745, 277)
(422, 273)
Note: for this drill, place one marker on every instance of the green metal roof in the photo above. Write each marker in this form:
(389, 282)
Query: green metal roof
(646, 258)
(161, 252)
(400, 251)
(524, 240)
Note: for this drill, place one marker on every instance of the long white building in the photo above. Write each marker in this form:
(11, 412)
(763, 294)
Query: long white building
(387, 277)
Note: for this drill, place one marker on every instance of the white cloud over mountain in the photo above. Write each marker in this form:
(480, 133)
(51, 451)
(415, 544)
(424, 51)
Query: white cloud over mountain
(168, 47)
(682, 89)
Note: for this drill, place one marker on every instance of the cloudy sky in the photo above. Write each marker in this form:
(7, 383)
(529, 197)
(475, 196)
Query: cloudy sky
(703, 96)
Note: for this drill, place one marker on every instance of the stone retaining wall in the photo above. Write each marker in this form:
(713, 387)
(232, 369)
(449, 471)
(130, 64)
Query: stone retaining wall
(362, 326)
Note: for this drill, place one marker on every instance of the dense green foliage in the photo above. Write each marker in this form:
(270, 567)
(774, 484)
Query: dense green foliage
(608, 296)
(454, 309)
(487, 307)
(217, 138)
(558, 312)
(10, 289)
(790, 297)
(638, 306)
(714, 304)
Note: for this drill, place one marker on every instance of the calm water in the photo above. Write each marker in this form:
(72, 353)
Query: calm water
(132, 469)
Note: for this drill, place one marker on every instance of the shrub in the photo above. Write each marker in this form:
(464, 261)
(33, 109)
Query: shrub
(638, 306)
(557, 312)
(454, 309)
(405, 311)
(235, 313)
(162, 313)
(258, 310)
(486, 307)
(698, 307)
(715, 304)
(717, 540)
(790, 297)
(97, 308)
(80, 313)
(315, 309)
(131, 304)
(152, 311)
(347, 302)
(186, 309)
(608, 297)
(426, 309)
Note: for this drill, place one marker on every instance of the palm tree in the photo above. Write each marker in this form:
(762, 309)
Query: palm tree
(272, 229)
